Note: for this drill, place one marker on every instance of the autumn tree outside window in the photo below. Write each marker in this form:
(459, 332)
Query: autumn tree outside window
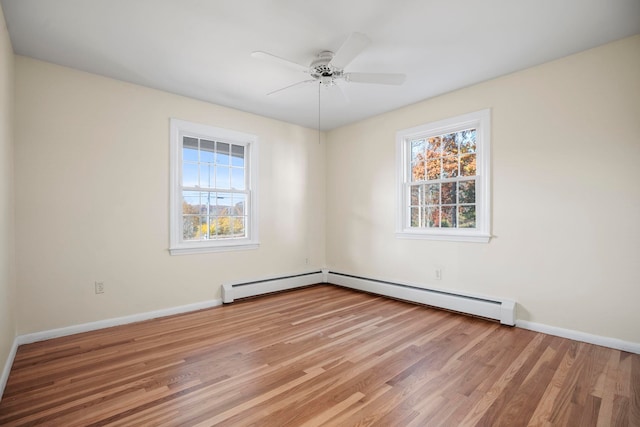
(443, 179)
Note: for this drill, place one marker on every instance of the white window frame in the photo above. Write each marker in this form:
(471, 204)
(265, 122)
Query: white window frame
(178, 130)
(480, 120)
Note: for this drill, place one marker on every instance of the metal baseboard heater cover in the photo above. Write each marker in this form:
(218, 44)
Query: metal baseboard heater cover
(503, 310)
(233, 291)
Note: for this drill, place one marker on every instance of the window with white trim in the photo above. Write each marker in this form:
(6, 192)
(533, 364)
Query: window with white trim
(213, 189)
(443, 179)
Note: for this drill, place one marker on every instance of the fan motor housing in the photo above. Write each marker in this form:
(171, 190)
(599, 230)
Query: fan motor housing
(320, 66)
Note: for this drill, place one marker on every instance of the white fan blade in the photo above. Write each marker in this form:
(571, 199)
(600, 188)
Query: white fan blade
(349, 50)
(376, 78)
(290, 86)
(269, 57)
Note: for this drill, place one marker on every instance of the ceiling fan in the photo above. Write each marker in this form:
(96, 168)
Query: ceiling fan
(327, 68)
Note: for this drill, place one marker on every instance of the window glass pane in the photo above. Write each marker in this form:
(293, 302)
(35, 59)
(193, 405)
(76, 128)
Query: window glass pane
(434, 147)
(417, 150)
(433, 217)
(190, 174)
(213, 227)
(416, 194)
(468, 165)
(191, 227)
(238, 226)
(449, 145)
(239, 204)
(467, 141)
(223, 178)
(189, 149)
(450, 167)
(204, 227)
(222, 154)
(448, 219)
(204, 230)
(433, 169)
(448, 193)
(433, 194)
(191, 202)
(237, 155)
(415, 217)
(467, 192)
(214, 202)
(207, 148)
(224, 226)
(237, 178)
(467, 217)
(417, 171)
(224, 202)
(209, 228)
(209, 201)
(206, 175)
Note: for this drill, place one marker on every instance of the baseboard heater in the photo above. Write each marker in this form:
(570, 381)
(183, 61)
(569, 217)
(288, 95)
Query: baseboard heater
(499, 309)
(503, 310)
(233, 291)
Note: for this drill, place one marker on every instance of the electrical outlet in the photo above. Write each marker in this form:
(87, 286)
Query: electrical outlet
(438, 274)
(306, 261)
(99, 287)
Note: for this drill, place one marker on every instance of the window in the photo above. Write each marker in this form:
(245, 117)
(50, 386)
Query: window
(213, 189)
(443, 179)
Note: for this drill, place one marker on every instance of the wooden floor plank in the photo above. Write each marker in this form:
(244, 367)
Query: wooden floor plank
(317, 356)
(634, 393)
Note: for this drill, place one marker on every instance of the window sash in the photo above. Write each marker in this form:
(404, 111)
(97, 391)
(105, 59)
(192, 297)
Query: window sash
(232, 215)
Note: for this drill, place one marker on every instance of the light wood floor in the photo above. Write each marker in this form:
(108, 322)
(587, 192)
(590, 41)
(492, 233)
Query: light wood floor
(320, 356)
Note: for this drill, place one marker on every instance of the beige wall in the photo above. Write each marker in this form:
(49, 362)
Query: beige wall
(7, 278)
(92, 169)
(566, 194)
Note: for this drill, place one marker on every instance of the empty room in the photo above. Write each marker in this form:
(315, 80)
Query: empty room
(294, 213)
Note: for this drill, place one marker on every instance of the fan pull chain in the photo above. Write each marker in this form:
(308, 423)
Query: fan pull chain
(319, 134)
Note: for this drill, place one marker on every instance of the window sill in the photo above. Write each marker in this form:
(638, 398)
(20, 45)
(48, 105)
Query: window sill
(444, 236)
(203, 248)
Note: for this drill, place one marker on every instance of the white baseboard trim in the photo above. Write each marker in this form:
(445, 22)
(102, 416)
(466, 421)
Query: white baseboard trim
(500, 309)
(233, 291)
(117, 321)
(631, 347)
(7, 366)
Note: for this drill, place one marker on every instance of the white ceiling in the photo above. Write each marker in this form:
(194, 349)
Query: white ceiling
(201, 48)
